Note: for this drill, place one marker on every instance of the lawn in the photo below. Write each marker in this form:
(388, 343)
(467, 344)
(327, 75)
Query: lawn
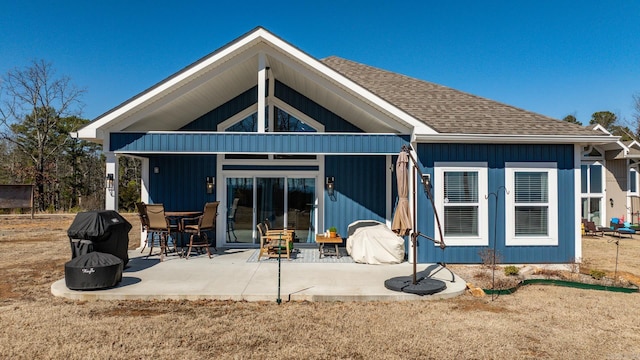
(535, 322)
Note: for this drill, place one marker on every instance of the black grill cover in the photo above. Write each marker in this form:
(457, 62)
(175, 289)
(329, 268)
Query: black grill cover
(107, 230)
(80, 247)
(93, 271)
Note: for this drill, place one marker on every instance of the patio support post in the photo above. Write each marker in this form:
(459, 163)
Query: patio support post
(577, 181)
(111, 195)
(413, 205)
(262, 90)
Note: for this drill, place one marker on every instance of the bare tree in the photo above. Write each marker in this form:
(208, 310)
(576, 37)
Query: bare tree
(32, 103)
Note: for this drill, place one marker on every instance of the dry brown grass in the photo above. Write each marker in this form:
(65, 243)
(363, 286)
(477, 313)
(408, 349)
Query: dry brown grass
(535, 322)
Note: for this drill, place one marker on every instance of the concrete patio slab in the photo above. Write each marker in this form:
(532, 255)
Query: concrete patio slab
(229, 276)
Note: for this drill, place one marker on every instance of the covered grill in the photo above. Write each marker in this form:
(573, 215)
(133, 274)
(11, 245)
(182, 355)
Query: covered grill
(101, 231)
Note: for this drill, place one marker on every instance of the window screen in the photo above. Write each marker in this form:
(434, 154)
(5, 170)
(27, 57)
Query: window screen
(461, 203)
(531, 203)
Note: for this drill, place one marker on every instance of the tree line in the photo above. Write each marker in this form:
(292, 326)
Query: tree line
(612, 123)
(38, 113)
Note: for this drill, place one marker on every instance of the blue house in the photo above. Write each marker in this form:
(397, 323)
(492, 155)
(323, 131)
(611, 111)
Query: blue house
(273, 133)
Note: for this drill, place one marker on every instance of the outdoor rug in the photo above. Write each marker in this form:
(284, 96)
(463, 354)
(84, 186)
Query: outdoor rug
(306, 256)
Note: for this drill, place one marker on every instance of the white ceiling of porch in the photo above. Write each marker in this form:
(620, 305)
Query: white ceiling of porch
(222, 81)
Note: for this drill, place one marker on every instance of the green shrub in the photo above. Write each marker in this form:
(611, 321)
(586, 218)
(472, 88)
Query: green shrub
(511, 270)
(597, 274)
(333, 229)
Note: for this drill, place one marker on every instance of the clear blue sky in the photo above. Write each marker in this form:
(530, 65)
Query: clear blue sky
(551, 57)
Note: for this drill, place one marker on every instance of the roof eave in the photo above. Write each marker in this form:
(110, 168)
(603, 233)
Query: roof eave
(515, 139)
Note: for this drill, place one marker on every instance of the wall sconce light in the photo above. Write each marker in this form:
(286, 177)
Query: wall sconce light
(109, 182)
(330, 185)
(156, 170)
(210, 183)
(426, 181)
(611, 201)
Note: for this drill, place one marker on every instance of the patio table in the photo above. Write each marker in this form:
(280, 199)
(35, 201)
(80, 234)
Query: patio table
(177, 216)
(321, 240)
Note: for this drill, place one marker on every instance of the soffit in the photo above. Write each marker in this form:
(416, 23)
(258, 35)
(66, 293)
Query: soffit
(221, 81)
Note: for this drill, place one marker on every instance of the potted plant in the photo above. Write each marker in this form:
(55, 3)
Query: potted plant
(332, 231)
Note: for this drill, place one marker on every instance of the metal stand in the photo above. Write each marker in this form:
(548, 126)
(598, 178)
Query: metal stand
(443, 265)
(279, 300)
(495, 241)
(615, 274)
(414, 236)
(425, 285)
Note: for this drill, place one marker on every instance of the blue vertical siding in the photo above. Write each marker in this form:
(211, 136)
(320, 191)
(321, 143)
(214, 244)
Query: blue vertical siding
(496, 156)
(359, 190)
(180, 184)
(331, 121)
(233, 142)
(210, 120)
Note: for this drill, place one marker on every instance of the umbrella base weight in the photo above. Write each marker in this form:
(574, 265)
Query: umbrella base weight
(423, 286)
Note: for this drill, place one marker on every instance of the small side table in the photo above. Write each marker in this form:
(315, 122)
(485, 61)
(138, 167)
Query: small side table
(321, 240)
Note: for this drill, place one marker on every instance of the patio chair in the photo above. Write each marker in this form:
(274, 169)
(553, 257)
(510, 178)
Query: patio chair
(198, 228)
(144, 225)
(274, 241)
(621, 228)
(590, 228)
(231, 220)
(270, 231)
(144, 222)
(159, 225)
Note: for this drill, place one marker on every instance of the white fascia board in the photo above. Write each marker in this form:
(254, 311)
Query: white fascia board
(134, 105)
(323, 81)
(165, 86)
(633, 143)
(349, 85)
(601, 128)
(515, 139)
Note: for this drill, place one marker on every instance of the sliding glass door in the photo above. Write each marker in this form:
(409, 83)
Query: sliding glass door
(301, 197)
(282, 202)
(270, 202)
(239, 224)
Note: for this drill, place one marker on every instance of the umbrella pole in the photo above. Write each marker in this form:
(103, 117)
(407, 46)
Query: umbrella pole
(413, 244)
(414, 235)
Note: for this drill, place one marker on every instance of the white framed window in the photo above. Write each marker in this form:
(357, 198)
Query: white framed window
(592, 177)
(531, 204)
(633, 182)
(460, 198)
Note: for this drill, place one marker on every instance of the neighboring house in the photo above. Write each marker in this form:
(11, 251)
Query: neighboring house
(269, 126)
(609, 175)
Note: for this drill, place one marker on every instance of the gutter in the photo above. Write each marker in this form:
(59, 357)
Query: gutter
(515, 139)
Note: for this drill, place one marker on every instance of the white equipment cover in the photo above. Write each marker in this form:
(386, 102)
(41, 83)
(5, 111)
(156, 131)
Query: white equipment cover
(372, 242)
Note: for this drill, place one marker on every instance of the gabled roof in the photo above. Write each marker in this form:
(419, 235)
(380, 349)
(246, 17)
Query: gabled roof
(233, 69)
(448, 110)
(375, 100)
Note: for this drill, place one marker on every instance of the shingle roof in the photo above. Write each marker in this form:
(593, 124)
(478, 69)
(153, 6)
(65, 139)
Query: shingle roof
(448, 110)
